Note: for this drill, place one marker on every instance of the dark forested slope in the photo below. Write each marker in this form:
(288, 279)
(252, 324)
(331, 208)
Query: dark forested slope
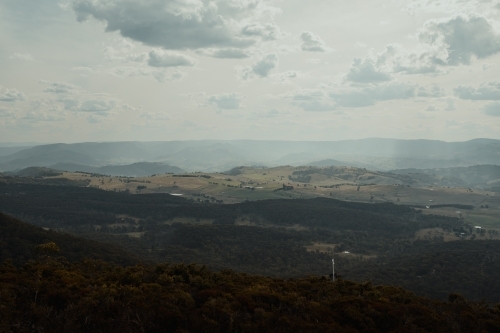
(469, 267)
(75, 206)
(93, 296)
(18, 241)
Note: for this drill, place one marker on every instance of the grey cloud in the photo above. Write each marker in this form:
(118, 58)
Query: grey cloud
(175, 24)
(485, 91)
(266, 64)
(487, 66)
(267, 32)
(261, 68)
(6, 113)
(461, 37)
(11, 95)
(97, 104)
(140, 57)
(315, 105)
(433, 91)
(426, 69)
(228, 53)
(394, 59)
(285, 77)
(229, 101)
(312, 43)
(239, 10)
(168, 76)
(353, 99)
(320, 100)
(155, 116)
(311, 100)
(450, 105)
(430, 108)
(273, 113)
(370, 95)
(127, 71)
(121, 52)
(393, 91)
(42, 116)
(447, 42)
(22, 56)
(492, 109)
(364, 71)
(159, 58)
(161, 74)
(58, 87)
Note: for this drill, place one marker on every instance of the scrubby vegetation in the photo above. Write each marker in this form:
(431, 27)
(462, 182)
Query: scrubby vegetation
(52, 295)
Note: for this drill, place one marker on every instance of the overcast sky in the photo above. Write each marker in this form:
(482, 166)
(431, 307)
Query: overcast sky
(114, 70)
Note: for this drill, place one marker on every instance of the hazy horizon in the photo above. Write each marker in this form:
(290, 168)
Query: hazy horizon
(21, 143)
(163, 70)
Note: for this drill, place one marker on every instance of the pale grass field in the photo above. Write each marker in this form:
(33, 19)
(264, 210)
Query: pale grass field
(265, 181)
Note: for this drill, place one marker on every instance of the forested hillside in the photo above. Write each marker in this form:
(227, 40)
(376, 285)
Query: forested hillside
(18, 241)
(280, 238)
(52, 206)
(466, 266)
(90, 296)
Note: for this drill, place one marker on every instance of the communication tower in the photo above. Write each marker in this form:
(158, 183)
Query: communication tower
(333, 269)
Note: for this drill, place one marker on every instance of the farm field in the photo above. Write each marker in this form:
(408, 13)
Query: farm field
(260, 184)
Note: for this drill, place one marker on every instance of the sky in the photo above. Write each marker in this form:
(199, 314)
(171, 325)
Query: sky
(158, 70)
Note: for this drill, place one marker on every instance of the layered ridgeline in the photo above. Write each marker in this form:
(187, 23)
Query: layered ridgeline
(479, 176)
(140, 169)
(282, 238)
(213, 155)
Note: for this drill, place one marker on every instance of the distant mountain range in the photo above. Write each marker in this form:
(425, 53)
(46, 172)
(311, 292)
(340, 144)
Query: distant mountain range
(140, 169)
(484, 176)
(219, 155)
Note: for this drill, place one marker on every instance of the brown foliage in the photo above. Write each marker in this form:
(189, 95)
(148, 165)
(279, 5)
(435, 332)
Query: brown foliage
(92, 296)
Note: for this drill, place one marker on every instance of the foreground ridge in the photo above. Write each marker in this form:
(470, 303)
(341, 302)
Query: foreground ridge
(53, 295)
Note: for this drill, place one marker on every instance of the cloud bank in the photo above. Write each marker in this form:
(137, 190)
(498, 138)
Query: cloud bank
(183, 24)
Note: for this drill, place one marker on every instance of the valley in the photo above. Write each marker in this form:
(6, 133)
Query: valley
(408, 227)
(286, 233)
(346, 183)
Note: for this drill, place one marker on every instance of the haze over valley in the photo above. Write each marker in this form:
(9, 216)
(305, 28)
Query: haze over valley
(217, 156)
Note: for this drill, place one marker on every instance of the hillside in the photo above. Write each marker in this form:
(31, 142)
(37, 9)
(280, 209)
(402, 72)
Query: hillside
(258, 183)
(479, 176)
(96, 297)
(35, 157)
(36, 172)
(85, 204)
(469, 267)
(18, 241)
